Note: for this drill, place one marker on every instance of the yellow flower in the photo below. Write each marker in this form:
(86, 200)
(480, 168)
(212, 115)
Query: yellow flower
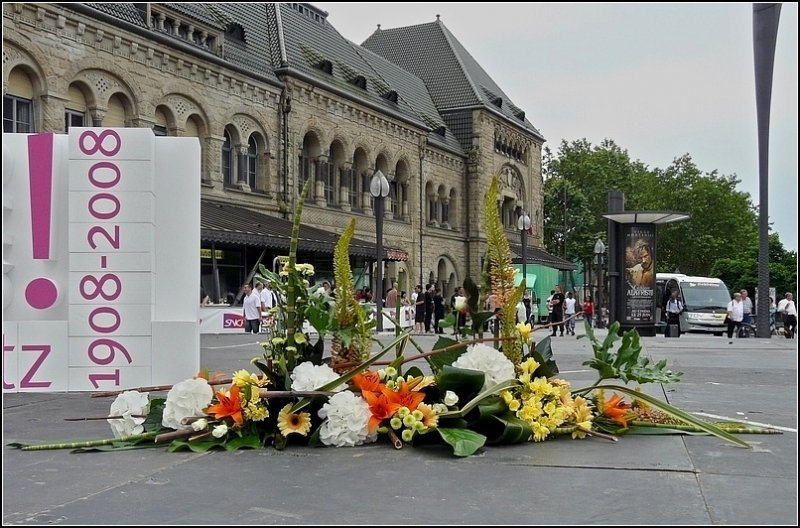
(242, 378)
(524, 332)
(429, 416)
(530, 365)
(289, 422)
(513, 405)
(256, 412)
(582, 418)
(540, 432)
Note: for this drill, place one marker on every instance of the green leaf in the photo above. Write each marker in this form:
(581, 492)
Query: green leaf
(463, 441)
(154, 417)
(448, 321)
(464, 382)
(414, 372)
(200, 446)
(505, 429)
(313, 440)
(479, 320)
(125, 447)
(543, 354)
(473, 295)
(494, 389)
(250, 441)
(437, 361)
(491, 406)
(678, 413)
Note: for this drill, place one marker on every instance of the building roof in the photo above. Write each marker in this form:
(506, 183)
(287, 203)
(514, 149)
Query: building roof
(251, 55)
(453, 77)
(229, 224)
(540, 256)
(307, 43)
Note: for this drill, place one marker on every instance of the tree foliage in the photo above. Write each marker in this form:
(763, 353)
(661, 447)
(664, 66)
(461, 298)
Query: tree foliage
(719, 239)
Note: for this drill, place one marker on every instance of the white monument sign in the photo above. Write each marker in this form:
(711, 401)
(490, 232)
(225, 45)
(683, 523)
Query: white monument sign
(100, 271)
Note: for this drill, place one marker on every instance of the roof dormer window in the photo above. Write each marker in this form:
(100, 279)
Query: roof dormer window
(361, 82)
(391, 96)
(235, 31)
(326, 66)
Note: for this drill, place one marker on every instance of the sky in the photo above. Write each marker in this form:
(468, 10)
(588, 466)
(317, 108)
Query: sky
(660, 80)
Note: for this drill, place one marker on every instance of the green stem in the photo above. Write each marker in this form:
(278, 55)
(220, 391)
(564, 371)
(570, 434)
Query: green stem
(291, 294)
(727, 426)
(90, 443)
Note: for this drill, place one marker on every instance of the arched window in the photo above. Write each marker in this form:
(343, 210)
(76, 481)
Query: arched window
(252, 162)
(227, 161)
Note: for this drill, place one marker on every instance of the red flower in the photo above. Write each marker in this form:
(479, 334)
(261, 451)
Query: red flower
(617, 410)
(228, 406)
(380, 407)
(404, 397)
(368, 381)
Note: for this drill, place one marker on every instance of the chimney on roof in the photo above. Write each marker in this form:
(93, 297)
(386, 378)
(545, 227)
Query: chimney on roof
(379, 27)
(437, 17)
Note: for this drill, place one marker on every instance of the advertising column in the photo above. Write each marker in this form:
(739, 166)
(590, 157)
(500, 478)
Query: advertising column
(640, 275)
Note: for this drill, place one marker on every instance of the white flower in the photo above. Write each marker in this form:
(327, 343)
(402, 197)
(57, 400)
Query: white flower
(127, 404)
(439, 408)
(346, 421)
(450, 398)
(460, 304)
(200, 425)
(488, 360)
(308, 377)
(220, 431)
(187, 398)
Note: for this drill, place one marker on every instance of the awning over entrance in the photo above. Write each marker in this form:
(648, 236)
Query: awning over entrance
(540, 256)
(228, 224)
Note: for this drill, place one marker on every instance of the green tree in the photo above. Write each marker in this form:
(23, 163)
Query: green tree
(740, 270)
(723, 221)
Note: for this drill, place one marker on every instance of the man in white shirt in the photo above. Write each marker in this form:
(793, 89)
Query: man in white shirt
(735, 314)
(789, 310)
(569, 313)
(674, 308)
(251, 310)
(747, 307)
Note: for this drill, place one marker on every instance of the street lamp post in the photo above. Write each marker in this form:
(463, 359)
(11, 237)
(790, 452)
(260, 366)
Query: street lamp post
(599, 253)
(523, 224)
(379, 189)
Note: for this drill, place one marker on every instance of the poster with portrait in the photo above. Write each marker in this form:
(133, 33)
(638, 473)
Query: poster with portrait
(640, 272)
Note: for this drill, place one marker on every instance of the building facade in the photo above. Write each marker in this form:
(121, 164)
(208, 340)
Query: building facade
(277, 97)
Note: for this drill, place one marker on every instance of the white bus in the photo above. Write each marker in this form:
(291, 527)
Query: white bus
(705, 299)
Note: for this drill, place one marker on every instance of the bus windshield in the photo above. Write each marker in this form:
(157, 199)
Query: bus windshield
(705, 295)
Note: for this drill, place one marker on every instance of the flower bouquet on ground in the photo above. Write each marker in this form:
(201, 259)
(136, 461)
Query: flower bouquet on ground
(475, 392)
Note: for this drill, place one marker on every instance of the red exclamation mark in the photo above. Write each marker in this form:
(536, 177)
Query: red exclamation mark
(41, 293)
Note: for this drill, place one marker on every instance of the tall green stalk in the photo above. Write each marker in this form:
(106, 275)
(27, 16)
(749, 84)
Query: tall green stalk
(291, 291)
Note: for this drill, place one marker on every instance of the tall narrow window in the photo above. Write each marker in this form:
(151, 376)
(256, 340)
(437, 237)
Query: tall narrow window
(349, 181)
(17, 114)
(252, 162)
(306, 165)
(329, 177)
(395, 204)
(227, 161)
(159, 130)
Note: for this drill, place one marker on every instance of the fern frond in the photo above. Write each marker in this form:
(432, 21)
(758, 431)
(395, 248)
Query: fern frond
(501, 272)
(345, 309)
